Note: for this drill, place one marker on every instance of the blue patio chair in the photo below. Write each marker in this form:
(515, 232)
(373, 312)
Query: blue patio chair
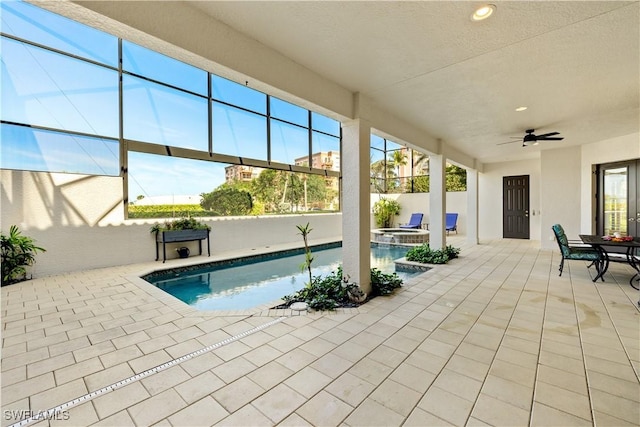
(451, 223)
(414, 222)
(572, 251)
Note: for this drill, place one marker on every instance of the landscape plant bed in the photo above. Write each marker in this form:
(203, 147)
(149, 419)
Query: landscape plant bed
(335, 291)
(423, 254)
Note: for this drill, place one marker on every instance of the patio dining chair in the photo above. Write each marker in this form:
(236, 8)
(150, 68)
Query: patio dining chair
(575, 249)
(414, 222)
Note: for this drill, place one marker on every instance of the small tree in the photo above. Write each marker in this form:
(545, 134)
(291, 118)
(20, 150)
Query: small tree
(384, 210)
(308, 258)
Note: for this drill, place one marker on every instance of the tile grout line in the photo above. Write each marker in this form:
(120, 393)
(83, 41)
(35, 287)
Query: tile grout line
(51, 413)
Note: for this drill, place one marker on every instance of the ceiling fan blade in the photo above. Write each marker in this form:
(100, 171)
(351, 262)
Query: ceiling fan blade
(509, 142)
(544, 135)
(550, 139)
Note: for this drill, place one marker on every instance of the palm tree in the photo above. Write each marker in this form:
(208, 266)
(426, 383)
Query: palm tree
(398, 158)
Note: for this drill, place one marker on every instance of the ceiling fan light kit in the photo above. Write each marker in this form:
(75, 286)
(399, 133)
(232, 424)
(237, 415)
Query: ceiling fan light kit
(532, 139)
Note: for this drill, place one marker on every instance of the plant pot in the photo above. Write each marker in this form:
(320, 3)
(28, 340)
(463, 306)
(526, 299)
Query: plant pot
(183, 252)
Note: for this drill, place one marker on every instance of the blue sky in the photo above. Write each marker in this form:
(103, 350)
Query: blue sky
(46, 89)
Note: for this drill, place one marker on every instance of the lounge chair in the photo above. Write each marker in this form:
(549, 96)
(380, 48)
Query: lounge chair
(571, 249)
(451, 222)
(414, 222)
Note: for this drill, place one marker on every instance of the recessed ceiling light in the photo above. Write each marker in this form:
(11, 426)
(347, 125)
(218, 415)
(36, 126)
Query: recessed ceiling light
(483, 12)
(521, 108)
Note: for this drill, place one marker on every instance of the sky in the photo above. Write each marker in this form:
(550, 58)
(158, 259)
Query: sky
(53, 91)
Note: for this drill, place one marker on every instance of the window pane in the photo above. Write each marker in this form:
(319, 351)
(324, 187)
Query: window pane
(377, 170)
(38, 25)
(235, 94)
(615, 200)
(166, 180)
(328, 149)
(160, 115)
(393, 146)
(239, 133)
(47, 89)
(325, 124)
(289, 112)
(289, 144)
(420, 163)
(153, 65)
(377, 142)
(31, 149)
(376, 155)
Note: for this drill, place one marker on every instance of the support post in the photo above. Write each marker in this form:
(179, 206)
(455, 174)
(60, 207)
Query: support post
(356, 202)
(472, 206)
(437, 201)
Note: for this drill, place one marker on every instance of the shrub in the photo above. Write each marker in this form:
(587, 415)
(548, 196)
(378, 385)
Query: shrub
(426, 255)
(323, 293)
(384, 283)
(332, 291)
(18, 251)
(180, 224)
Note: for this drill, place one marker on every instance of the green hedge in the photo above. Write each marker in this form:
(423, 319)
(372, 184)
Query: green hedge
(167, 211)
(181, 211)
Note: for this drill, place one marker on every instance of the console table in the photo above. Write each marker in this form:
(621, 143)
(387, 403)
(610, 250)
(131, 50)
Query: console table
(173, 236)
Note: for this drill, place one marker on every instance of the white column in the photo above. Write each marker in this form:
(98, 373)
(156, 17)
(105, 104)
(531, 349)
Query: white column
(437, 201)
(356, 201)
(472, 206)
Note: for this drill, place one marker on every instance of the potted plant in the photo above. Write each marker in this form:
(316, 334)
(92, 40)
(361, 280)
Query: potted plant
(180, 230)
(18, 251)
(384, 210)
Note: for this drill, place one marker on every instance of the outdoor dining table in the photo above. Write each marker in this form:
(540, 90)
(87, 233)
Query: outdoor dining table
(605, 247)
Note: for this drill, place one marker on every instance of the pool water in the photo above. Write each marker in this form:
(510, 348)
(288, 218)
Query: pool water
(249, 285)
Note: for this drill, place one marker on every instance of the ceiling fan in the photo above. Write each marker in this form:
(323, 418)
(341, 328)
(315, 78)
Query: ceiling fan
(531, 139)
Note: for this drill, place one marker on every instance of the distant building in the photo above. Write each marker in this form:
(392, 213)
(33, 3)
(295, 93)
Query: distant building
(329, 160)
(241, 173)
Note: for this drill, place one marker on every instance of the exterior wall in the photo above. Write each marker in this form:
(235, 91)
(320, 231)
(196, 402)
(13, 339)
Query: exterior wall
(560, 200)
(490, 196)
(79, 220)
(419, 202)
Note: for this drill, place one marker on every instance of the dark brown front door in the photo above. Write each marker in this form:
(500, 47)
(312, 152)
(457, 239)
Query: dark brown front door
(515, 207)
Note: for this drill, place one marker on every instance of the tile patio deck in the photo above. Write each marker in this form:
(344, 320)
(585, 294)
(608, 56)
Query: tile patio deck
(493, 338)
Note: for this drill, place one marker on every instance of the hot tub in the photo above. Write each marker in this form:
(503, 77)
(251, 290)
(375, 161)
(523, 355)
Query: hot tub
(400, 236)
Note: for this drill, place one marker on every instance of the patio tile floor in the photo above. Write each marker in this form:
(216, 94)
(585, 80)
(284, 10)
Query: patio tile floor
(492, 338)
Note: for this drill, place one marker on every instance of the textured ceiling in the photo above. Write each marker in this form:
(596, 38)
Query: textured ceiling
(575, 65)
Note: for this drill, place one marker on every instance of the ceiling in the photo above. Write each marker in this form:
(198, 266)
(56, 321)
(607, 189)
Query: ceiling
(575, 65)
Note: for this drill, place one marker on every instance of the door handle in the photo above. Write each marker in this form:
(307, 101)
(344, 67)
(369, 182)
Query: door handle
(526, 213)
(631, 219)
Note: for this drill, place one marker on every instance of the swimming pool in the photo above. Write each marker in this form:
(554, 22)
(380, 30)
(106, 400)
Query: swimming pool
(248, 283)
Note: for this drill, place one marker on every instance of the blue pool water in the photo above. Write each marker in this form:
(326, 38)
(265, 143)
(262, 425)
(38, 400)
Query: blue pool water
(247, 284)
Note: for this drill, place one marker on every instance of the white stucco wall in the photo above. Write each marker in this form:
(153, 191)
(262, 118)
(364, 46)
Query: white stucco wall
(419, 202)
(560, 200)
(79, 220)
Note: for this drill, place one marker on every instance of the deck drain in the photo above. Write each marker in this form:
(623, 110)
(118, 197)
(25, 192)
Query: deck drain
(53, 412)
